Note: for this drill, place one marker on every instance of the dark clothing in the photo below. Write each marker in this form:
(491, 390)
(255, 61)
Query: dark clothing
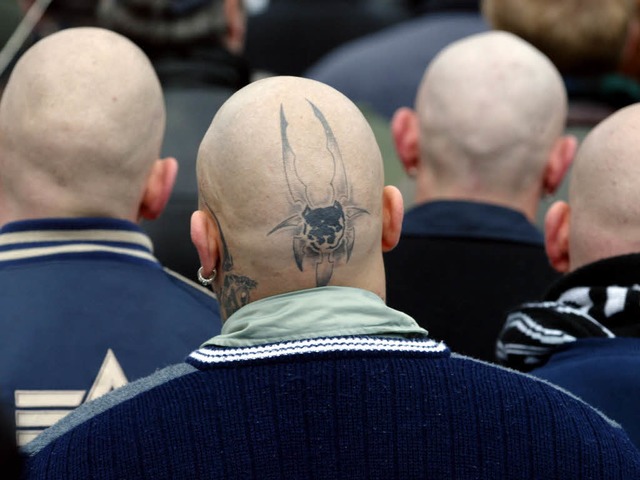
(194, 87)
(383, 70)
(585, 337)
(347, 407)
(85, 308)
(472, 220)
(603, 372)
(291, 35)
(460, 266)
(594, 98)
(613, 90)
(424, 6)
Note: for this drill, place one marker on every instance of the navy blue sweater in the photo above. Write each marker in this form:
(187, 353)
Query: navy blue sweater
(347, 407)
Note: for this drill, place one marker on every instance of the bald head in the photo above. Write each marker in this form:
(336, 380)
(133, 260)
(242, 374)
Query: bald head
(291, 173)
(490, 109)
(81, 124)
(604, 191)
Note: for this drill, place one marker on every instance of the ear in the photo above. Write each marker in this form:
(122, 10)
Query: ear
(392, 215)
(158, 189)
(405, 130)
(558, 163)
(236, 25)
(556, 238)
(204, 235)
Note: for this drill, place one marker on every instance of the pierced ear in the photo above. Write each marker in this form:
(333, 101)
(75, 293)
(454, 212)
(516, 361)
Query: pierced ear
(556, 239)
(392, 215)
(405, 130)
(560, 159)
(204, 235)
(158, 189)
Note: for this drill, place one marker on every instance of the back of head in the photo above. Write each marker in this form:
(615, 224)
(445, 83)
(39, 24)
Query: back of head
(157, 24)
(604, 190)
(81, 123)
(579, 36)
(490, 108)
(291, 174)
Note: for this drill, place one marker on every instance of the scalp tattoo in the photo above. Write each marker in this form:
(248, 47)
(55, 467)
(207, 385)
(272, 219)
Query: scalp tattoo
(236, 289)
(324, 232)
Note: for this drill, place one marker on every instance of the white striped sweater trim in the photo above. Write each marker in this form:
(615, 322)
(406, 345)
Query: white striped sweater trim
(216, 355)
(75, 248)
(79, 235)
(73, 242)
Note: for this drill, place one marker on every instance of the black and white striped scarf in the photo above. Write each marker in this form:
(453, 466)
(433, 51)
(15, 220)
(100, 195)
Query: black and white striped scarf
(535, 330)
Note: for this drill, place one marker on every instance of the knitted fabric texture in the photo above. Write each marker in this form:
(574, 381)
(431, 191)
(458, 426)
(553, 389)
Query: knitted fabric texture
(350, 407)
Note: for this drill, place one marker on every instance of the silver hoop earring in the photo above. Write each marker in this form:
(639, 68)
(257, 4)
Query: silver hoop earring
(206, 281)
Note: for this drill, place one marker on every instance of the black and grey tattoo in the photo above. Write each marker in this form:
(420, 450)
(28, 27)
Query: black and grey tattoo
(235, 291)
(322, 232)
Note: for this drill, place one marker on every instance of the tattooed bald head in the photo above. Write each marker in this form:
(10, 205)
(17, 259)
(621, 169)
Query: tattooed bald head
(291, 180)
(602, 218)
(81, 124)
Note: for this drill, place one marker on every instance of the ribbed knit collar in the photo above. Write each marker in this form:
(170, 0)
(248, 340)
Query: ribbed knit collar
(314, 313)
(32, 239)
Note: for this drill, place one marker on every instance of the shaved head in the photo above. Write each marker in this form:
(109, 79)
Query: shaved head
(291, 174)
(490, 108)
(604, 190)
(81, 124)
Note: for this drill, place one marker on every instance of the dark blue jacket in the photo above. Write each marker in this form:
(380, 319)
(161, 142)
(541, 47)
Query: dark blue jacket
(603, 372)
(85, 308)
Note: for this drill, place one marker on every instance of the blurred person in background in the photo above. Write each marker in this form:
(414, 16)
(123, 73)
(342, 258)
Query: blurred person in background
(382, 70)
(286, 37)
(595, 44)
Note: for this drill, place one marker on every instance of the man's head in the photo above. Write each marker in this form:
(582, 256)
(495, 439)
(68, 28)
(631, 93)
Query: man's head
(81, 124)
(158, 24)
(602, 218)
(291, 194)
(579, 36)
(487, 126)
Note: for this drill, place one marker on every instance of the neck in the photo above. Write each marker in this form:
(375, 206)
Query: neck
(235, 291)
(526, 202)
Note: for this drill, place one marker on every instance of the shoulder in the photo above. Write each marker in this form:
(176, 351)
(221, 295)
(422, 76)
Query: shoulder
(510, 388)
(93, 412)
